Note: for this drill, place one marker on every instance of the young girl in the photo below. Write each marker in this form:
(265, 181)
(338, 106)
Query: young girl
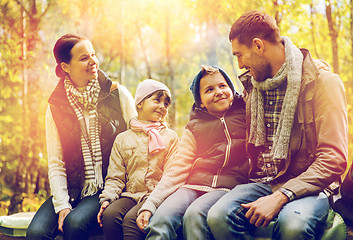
(138, 159)
(211, 160)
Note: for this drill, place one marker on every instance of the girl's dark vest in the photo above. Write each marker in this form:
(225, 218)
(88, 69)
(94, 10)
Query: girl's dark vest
(110, 118)
(211, 144)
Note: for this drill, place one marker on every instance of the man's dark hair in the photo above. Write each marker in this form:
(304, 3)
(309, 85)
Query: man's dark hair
(254, 24)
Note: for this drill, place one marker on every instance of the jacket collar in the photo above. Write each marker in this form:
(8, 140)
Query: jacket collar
(310, 72)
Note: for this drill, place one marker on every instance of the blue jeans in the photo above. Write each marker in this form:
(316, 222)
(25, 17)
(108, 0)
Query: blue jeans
(187, 208)
(77, 224)
(302, 218)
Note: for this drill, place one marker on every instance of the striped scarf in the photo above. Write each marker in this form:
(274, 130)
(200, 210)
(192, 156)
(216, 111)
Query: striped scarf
(292, 71)
(90, 142)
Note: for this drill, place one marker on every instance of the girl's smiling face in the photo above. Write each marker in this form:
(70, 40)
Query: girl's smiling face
(154, 108)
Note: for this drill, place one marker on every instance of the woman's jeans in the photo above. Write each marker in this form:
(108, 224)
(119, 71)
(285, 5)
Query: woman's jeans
(302, 218)
(187, 208)
(77, 225)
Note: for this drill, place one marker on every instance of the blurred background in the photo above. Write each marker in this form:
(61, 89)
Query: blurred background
(167, 40)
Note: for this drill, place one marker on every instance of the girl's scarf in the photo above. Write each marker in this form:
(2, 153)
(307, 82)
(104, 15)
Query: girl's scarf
(291, 71)
(152, 129)
(90, 141)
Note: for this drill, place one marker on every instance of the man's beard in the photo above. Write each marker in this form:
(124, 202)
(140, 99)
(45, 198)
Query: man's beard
(264, 74)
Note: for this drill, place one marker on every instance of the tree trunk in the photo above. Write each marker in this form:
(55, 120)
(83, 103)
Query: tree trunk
(313, 29)
(333, 36)
(17, 198)
(30, 113)
(351, 22)
(172, 110)
(122, 46)
(149, 75)
(277, 13)
(212, 37)
(37, 188)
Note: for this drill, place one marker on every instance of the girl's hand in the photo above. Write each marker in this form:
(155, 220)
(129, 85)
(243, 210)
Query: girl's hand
(143, 219)
(104, 205)
(62, 215)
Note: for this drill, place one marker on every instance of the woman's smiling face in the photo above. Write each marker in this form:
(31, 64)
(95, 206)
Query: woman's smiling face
(83, 65)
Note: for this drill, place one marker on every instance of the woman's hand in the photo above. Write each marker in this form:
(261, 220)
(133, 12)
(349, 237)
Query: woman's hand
(143, 219)
(62, 215)
(104, 205)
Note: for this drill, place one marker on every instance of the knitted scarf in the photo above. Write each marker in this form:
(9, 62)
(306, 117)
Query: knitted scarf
(152, 129)
(291, 71)
(90, 142)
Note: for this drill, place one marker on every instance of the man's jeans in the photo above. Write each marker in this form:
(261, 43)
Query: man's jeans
(302, 218)
(187, 208)
(77, 224)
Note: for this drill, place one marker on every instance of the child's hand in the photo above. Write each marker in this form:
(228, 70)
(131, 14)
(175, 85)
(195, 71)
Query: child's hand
(100, 213)
(143, 219)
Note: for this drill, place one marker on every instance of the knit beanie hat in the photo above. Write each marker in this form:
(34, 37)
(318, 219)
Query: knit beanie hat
(147, 87)
(195, 85)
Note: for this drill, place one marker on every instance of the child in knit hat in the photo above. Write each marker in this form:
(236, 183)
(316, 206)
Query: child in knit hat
(210, 160)
(138, 158)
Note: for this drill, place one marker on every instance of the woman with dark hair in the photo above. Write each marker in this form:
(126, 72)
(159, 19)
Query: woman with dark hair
(86, 112)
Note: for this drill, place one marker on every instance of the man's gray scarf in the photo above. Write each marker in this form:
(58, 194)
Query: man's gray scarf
(90, 140)
(291, 71)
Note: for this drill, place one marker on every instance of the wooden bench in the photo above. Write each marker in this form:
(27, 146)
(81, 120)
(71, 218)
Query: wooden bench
(15, 226)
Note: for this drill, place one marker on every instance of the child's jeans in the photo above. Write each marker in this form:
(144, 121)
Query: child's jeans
(185, 208)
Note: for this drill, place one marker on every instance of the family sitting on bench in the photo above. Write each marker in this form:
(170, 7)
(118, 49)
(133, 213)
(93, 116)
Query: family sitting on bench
(269, 156)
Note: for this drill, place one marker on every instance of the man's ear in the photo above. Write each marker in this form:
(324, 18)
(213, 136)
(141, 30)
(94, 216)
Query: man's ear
(258, 45)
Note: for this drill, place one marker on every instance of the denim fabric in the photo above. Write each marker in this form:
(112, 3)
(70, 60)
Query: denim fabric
(195, 219)
(168, 220)
(77, 224)
(302, 218)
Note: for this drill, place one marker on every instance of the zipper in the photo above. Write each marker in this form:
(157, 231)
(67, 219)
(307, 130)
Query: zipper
(226, 158)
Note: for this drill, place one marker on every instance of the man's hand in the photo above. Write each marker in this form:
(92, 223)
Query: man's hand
(62, 215)
(143, 219)
(104, 205)
(263, 210)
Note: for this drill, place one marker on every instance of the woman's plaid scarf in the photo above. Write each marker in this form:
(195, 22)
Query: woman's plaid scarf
(90, 142)
(291, 71)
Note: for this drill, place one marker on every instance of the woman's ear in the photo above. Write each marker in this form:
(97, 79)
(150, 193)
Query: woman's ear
(202, 106)
(65, 67)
